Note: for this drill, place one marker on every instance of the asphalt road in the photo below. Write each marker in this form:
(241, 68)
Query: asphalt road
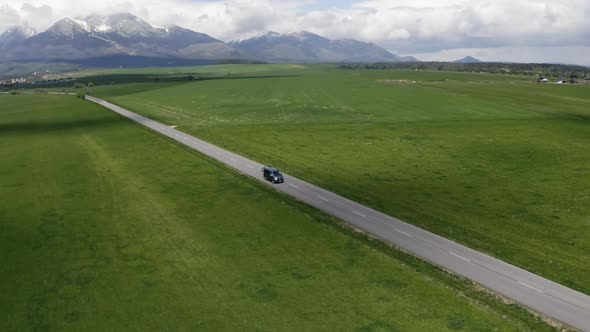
(540, 294)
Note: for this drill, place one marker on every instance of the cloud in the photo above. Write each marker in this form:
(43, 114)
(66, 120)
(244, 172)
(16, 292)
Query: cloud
(42, 14)
(402, 26)
(35, 11)
(8, 16)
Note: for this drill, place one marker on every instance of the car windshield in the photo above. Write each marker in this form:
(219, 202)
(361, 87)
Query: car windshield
(276, 173)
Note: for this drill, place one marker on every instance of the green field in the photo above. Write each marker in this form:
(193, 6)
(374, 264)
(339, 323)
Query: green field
(496, 162)
(107, 226)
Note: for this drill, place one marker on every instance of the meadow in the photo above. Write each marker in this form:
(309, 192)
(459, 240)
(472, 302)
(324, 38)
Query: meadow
(106, 226)
(496, 162)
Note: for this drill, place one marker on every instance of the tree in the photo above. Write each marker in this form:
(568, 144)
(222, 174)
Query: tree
(81, 95)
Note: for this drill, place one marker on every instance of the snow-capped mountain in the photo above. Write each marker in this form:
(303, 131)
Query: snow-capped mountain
(68, 28)
(124, 25)
(15, 35)
(96, 36)
(124, 34)
(66, 39)
(308, 47)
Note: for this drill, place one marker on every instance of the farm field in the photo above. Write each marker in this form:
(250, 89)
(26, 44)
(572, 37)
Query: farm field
(107, 226)
(496, 162)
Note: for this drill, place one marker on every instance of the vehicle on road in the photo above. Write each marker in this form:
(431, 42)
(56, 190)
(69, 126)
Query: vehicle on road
(272, 174)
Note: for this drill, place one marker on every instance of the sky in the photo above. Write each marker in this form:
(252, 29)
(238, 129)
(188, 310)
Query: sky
(442, 30)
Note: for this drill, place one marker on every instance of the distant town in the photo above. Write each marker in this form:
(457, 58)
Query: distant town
(44, 77)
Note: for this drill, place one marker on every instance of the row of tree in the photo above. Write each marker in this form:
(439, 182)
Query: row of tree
(533, 69)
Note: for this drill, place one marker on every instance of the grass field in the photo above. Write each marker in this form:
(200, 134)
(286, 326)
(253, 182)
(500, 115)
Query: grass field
(496, 162)
(107, 226)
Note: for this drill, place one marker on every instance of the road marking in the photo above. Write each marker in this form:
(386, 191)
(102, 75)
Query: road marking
(323, 198)
(461, 257)
(404, 233)
(232, 159)
(360, 214)
(294, 186)
(531, 287)
(250, 166)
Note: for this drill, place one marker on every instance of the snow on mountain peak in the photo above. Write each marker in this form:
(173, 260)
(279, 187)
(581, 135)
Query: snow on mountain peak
(124, 23)
(69, 27)
(24, 30)
(15, 35)
(162, 28)
(267, 34)
(28, 31)
(103, 28)
(82, 23)
(301, 35)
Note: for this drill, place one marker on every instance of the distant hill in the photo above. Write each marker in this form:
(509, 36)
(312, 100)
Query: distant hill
(308, 47)
(467, 59)
(409, 59)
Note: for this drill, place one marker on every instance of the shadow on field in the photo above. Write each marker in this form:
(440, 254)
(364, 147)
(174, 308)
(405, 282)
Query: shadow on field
(148, 78)
(186, 77)
(42, 127)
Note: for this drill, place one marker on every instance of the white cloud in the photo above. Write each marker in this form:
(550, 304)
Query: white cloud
(8, 16)
(403, 26)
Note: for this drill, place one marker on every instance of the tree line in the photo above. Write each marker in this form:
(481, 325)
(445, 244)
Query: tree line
(533, 69)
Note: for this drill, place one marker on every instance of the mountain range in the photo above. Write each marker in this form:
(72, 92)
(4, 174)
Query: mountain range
(308, 47)
(127, 35)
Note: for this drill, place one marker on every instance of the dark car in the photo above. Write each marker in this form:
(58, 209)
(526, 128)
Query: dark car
(272, 174)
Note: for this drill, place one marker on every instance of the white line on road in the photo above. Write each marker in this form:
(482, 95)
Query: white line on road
(360, 214)
(250, 167)
(404, 233)
(232, 159)
(531, 287)
(460, 257)
(323, 198)
(294, 186)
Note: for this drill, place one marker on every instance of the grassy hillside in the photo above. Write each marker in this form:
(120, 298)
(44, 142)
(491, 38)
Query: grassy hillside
(499, 163)
(106, 226)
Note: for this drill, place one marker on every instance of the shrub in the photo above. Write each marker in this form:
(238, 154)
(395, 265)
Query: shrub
(13, 92)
